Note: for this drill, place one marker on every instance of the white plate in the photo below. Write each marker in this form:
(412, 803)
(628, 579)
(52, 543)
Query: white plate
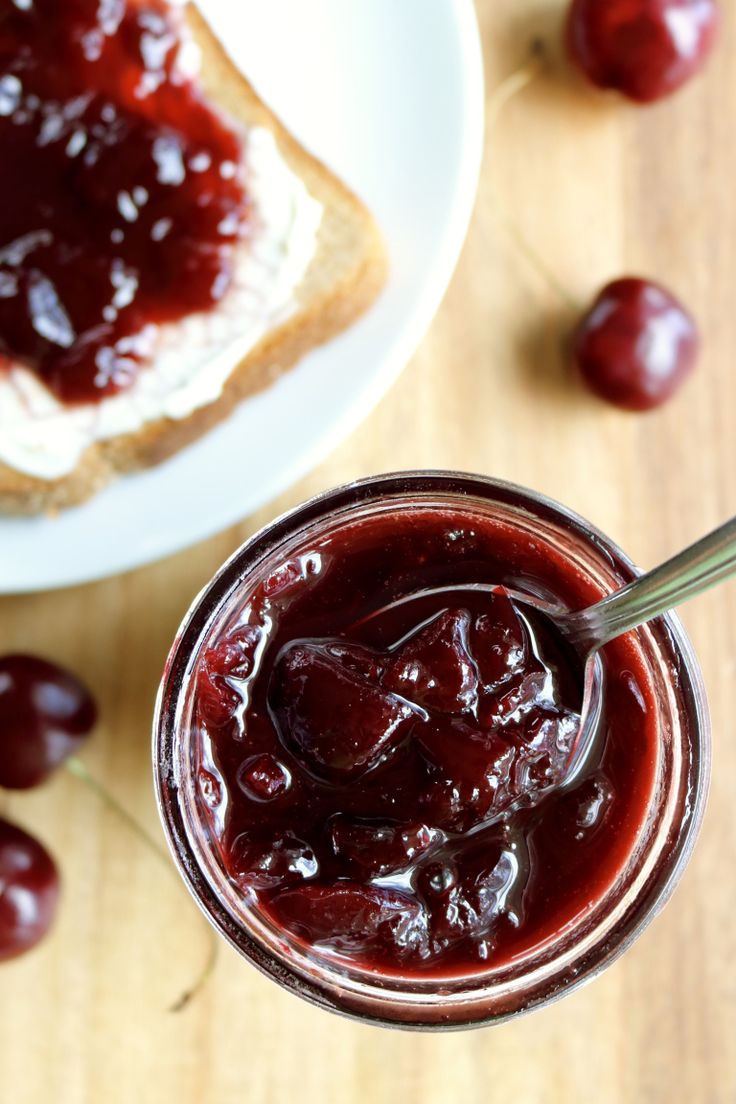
(390, 94)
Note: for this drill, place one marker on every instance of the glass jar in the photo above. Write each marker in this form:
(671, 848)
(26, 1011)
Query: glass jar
(575, 955)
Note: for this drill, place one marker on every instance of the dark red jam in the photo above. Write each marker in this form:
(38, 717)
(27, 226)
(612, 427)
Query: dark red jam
(121, 196)
(392, 789)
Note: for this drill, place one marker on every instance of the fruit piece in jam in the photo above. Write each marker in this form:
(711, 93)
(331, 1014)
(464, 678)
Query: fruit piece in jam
(338, 723)
(391, 788)
(121, 199)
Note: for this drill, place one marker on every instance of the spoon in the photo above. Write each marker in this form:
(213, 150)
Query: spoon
(686, 575)
(702, 565)
(692, 571)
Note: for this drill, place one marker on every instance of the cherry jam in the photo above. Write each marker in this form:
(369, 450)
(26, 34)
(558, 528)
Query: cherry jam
(121, 199)
(389, 785)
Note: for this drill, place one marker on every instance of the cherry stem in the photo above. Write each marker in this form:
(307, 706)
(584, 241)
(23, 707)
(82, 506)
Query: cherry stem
(516, 82)
(76, 767)
(506, 91)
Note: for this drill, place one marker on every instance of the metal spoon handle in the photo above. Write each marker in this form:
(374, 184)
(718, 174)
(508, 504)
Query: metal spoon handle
(709, 561)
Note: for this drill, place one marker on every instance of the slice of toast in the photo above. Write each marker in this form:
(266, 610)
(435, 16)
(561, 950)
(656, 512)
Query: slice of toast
(345, 275)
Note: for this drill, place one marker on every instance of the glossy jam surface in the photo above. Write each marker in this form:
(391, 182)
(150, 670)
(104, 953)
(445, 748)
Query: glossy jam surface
(121, 202)
(637, 345)
(645, 49)
(45, 714)
(386, 787)
(29, 891)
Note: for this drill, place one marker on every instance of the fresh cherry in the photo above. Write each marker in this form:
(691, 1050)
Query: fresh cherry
(45, 714)
(645, 49)
(637, 344)
(29, 890)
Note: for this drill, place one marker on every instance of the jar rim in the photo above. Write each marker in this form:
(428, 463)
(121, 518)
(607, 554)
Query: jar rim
(408, 485)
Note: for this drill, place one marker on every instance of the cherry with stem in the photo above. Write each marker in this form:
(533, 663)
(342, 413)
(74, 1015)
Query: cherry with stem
(637, 344)
(46, 713)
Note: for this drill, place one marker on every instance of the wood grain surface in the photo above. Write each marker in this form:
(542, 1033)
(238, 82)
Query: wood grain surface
(598, 188)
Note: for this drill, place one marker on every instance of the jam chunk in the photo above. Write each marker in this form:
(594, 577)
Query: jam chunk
(471, 773)
(478, 775)
(283, 860)
(374, 849)
(224, 673)
(468, 900)
(434, 668)
(350, 918)
(338, 723)
(499, 641)
(263, 778)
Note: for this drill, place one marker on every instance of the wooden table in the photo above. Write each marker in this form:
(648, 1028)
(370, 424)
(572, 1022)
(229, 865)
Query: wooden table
(599, 188)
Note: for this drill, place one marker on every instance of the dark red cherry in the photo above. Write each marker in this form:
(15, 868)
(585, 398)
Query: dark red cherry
(637, 345)
(29, 890)
(645, 49)
(45, 714)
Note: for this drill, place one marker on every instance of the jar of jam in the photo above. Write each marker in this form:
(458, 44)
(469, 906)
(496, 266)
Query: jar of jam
(362, 743)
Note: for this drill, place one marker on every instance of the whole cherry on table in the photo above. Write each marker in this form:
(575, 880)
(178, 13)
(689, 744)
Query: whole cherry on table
(46, 712)
(637, 344)
(644, 49)
(29, 891)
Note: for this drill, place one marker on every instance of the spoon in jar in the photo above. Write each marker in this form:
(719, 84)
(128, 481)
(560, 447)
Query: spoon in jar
(709, 561)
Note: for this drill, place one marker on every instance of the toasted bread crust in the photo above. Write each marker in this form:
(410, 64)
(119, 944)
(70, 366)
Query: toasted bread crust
(345, 276)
